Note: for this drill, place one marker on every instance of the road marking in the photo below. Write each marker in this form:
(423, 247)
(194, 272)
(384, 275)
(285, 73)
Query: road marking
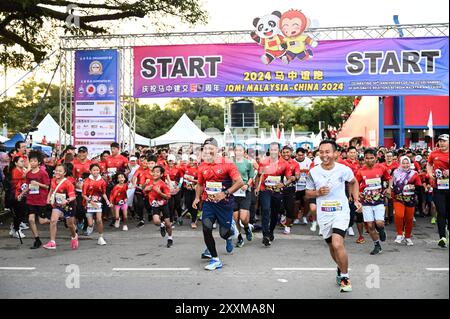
(282, 280)
(17, 268)
(151, 269)
(305, 269)
(437, 269)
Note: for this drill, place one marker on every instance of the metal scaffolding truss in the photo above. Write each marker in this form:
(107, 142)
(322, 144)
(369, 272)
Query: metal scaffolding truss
(125, 42)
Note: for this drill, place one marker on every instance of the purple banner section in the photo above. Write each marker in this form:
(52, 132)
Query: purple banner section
(400, 66)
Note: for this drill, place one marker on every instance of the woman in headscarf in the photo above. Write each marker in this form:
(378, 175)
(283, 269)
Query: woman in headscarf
(403, 185)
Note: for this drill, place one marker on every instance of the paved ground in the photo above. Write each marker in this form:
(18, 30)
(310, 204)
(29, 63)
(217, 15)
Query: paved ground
(296, 266)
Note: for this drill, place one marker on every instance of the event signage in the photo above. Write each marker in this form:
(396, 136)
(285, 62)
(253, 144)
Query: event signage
(282, 60)
(96, 99)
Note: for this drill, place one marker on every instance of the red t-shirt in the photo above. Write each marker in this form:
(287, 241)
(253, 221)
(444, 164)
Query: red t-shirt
(154, 196)
(174, 173)
(118, 162)
(94, 188)
(18, 180)
(222, 171)
(37, 196)
(80, 168)
(293, 166)
(270, 172)
(439, 161)
(354, 165)
(371, 184)
(118, 193)
(66, 188)
(102, 165)
(142, 175)
(391, 167)
(191, 171)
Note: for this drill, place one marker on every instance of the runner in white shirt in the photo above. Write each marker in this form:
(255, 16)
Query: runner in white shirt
(300, 198)
(326, 183)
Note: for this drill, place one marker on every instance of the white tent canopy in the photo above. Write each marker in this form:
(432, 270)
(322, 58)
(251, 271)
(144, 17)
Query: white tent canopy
(3, 139)
(184, 131)
(50, 129)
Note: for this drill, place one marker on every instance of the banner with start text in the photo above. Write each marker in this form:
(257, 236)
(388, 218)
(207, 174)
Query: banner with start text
(394, 66)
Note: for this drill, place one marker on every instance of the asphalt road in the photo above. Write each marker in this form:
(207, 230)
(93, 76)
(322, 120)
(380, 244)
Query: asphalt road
(136, 264)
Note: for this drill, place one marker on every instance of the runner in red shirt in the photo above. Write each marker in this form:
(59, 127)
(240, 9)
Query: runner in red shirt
(118, 198)
(81, 165)
(371, 190)
(353, 163)
(140, 180)
(103, 162)
(94, 189)
(158, 196)
(116, 162)
(18, 183)
(289, 189)
(38, 184)
(62, 199)
(173, 177)
(273, 175)
(438, 170)
(218, 179)
(189, 183)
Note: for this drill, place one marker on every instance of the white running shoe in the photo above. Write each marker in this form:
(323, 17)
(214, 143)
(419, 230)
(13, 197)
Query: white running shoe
(17, 233)
(314, 226)
(235, 231)
(23, 226)
(414, 219)
(350, 231)
(305, 221)
(399, 239)
(101, 241)
(125, 228)
(89, 230)
(296, 221)
(214, 226)
(409, 242)
(287, 230)
(117, 223)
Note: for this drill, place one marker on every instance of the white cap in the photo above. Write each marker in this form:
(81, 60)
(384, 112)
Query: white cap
(193, 157)
(418, 158)
(171, 157)
(184, 157)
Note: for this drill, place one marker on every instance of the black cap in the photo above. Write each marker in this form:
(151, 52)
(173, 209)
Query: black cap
(82, 149)
(211, 141)
(70, 147)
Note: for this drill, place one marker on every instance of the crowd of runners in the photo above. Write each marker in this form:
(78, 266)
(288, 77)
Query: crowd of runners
(239, 191)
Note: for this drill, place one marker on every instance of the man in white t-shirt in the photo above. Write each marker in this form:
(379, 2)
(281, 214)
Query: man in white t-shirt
(326, 183)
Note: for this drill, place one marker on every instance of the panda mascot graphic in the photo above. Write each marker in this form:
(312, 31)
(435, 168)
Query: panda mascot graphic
(269, 35)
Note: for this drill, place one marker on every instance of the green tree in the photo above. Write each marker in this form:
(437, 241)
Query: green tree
(33, 24)
(329, 110)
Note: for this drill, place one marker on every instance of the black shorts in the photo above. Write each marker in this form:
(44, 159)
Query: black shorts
(336, 231)
(40, 211)
(242, 202)
(300, 195)
(164, 210)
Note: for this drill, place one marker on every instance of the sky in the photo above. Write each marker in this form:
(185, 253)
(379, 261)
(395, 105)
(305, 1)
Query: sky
(238, 15)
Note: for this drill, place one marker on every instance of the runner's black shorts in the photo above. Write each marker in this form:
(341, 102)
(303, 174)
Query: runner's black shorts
(164, 210)
(300, 195)
(40, 211)
(242, 202)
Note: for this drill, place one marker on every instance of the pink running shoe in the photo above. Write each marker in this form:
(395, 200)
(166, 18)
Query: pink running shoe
(50, 245)
(74, 243)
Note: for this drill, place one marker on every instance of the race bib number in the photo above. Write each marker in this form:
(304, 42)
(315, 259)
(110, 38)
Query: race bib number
(213, 188)
(94, 207)
(331, 206)
(301, 183)
(408, 190)
(33, 189)
(121, 202)
(59, 197)
(373, 184)
(112, 171)
(443, 183)
(158, 203)
(271, 181)
(239, 193)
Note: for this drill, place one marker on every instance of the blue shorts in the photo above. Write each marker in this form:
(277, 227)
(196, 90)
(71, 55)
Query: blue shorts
(222, 212)
(68, 213)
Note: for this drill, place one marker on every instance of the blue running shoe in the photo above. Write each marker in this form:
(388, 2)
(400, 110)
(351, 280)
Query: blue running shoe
(214, 264)
(229, 245)
(249, 232)
(206, 254)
